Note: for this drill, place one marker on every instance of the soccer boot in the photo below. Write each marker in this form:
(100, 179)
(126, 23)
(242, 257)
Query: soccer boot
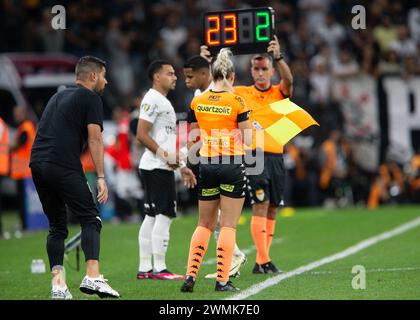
(237, 262)
(266, 268)
(98, 286)
(166, 275)
(144, 275)
(227, 287)
(60, 293)
(188, 285)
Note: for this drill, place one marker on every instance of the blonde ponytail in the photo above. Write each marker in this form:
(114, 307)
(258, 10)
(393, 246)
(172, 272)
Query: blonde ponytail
(223, 66)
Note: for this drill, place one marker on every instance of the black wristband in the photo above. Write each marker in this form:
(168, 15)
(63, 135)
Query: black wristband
(281, 57)
(100, 177)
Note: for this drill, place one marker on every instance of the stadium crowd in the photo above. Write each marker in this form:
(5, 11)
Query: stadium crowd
(317, 40)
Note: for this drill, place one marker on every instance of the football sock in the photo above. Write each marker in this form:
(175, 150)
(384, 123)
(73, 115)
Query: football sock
(259, 235)
(145, 243)
(236, 250)
(225, 246)
(198, 247)
(160, 241)
(271, 224)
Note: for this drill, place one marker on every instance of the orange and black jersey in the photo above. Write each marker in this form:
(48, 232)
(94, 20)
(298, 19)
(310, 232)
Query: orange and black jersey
(258, 102)
(218, 114)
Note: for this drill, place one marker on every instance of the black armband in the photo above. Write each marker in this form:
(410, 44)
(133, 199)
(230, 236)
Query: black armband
(242, 116)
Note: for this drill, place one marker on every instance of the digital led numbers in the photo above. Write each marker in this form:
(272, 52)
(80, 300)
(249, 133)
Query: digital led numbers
(213, 32)
(261, 34)
(244, 31)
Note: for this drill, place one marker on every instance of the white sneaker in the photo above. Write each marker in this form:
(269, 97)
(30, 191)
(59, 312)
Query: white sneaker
(60, 293)
(238, 261)
(98, 286)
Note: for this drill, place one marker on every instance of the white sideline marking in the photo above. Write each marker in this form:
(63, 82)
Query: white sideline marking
(246, 251)
(367, 270)
(256, 288)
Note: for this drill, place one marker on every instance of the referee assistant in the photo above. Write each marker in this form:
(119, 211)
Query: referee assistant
(266, 189)
(198, 77)
(71, 118)
(222, 118)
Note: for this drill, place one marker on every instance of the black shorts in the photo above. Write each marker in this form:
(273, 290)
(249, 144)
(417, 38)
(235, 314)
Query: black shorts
(159, 192)
(195, 169)
(221, 179)
(57, 187)
(269, 185)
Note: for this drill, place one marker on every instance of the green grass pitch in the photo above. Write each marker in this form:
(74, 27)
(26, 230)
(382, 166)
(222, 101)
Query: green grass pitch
(392, 266)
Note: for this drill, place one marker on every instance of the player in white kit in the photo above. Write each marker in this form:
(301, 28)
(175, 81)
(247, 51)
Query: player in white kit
(156, 130)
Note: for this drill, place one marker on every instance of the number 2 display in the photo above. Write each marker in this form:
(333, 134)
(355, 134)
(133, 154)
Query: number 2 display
(244, 31)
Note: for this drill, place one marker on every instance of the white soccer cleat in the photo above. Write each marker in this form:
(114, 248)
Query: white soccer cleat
(98, 286)
(238, 260)
(60, 293)
(211, 276)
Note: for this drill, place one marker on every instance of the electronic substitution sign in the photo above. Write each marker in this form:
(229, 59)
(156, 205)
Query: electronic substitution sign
(243, 31)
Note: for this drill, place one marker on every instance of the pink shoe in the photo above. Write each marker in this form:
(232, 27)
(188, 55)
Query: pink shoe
(144, 275)
(166, 275)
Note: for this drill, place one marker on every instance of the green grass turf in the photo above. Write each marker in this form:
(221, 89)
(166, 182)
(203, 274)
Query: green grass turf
(393, 265)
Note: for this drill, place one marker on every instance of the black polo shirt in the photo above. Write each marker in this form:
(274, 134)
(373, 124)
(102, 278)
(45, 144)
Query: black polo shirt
(62, 131)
